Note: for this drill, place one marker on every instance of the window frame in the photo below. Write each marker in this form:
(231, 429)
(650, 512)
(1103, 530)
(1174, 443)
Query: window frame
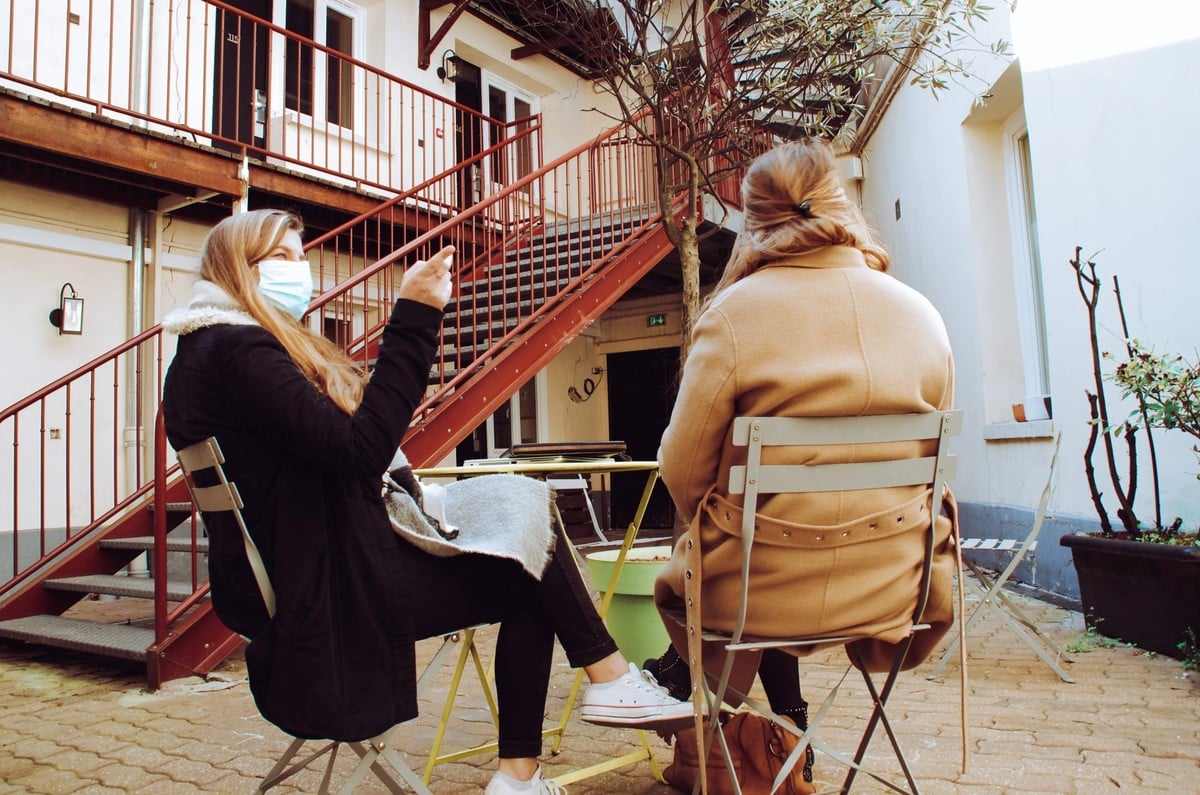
(1026, 260)
(319, 115)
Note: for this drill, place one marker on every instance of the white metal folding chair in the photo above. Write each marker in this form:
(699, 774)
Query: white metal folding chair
(574, 511)
(756, 479)
(992, 595)
(204, 462)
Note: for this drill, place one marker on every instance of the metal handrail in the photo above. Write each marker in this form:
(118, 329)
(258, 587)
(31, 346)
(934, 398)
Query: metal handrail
(207, 71)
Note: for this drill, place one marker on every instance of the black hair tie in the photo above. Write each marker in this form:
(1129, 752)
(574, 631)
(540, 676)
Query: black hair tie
(804, 208)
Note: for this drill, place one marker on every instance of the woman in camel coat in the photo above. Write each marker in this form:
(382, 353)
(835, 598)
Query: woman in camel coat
(805, 322)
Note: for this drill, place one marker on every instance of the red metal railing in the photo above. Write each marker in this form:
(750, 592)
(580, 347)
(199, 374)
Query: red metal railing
(75, 451)
(521, 249)
(81, 446)
(212, 74)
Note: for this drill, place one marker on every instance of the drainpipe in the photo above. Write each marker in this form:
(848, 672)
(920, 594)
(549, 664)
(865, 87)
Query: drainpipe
(136, 427)
(138, 56)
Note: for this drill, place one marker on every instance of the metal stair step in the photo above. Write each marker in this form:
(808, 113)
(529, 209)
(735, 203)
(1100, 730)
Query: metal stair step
(137, 587)
(114, 640)
(174, 544)
(173, 507)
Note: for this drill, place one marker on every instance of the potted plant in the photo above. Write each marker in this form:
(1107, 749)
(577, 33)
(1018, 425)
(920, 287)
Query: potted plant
(1139, 583)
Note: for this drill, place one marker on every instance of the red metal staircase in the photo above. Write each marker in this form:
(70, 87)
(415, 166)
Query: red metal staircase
(539, 261)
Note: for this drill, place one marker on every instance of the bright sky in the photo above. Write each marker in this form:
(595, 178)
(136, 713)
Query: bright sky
(1050, 33)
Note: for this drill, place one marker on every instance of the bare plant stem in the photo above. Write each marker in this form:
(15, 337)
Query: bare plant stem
(1142, 408)
(1105, 525)
(1089, 289)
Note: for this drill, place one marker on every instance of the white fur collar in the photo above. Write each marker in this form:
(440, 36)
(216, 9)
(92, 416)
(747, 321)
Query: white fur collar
(209, 306)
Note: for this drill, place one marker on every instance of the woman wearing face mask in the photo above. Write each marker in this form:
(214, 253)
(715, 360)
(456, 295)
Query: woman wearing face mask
(307, 437)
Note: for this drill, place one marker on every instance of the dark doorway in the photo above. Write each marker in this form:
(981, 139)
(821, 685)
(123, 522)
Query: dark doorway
(240, 79)
(641, 392)
(468, 129)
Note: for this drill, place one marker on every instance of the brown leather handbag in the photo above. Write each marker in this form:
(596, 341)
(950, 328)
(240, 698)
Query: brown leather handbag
(759, 749)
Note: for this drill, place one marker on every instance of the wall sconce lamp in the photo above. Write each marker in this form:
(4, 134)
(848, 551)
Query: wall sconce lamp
(67, 317)
(449, 68)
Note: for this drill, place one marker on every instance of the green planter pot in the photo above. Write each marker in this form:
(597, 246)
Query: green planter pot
(632, 617)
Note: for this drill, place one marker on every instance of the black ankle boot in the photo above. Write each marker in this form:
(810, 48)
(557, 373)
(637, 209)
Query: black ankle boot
(799, 716)
(671, 672)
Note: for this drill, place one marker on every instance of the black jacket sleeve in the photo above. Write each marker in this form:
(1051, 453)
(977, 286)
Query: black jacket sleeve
(274, 399)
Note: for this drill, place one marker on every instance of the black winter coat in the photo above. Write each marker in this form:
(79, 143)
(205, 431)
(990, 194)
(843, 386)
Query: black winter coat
(337, 660)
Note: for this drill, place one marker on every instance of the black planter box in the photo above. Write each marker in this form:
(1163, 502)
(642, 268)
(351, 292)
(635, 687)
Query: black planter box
(1144, 594)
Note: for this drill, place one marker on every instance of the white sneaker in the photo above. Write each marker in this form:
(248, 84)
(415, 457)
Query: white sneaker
(507, 785)
(634, 700)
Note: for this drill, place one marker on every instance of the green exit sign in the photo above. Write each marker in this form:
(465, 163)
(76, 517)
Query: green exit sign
(659, 319)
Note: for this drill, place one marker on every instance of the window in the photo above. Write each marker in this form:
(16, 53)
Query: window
(522, 405)
(1027, 265)
(309, 72)
(505, 104)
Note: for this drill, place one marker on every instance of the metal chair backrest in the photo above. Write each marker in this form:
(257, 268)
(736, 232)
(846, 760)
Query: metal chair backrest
(757, 478)
(204, 459)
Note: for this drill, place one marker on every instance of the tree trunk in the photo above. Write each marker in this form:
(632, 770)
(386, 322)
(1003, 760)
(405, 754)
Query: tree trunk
(689, 268)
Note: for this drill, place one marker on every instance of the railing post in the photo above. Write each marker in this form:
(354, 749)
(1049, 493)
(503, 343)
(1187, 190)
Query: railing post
(159, 554)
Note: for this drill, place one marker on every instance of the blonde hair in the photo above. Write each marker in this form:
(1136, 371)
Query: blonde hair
(229, 259)
(795, 204)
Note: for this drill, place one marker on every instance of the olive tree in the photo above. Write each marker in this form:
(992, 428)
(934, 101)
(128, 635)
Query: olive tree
(708, 85)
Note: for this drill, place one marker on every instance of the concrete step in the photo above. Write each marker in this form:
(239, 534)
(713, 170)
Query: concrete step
(137, 587)
(113, 640)
(182, 543)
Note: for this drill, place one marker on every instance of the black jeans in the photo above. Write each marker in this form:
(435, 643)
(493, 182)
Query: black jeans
(456, 592)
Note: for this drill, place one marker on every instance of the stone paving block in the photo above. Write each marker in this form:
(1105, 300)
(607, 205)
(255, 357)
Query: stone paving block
(100, 789)
(128, 778)
(1149, 778)
(33, 748)
(163, 741)
(21, 722)
(145, 758)
(169, 787)
(172, 726)
(49, 779)
(79, 762)
(215, 755)
(116, 729)
(190, 771)
(14, 767)
(94, 743)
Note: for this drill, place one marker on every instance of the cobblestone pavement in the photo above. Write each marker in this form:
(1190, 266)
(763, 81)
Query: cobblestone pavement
(1130, 724)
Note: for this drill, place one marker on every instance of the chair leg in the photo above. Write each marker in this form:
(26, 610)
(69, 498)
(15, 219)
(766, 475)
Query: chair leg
(715, 700)
(469, 651)
(1014, 618)
(372, 753)
(992, 596)
(879, 715)
(278, 773)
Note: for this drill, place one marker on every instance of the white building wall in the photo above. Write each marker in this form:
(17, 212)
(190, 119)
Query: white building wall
(1104, 90)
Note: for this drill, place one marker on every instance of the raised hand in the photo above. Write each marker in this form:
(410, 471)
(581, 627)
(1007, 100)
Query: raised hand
(430, 281)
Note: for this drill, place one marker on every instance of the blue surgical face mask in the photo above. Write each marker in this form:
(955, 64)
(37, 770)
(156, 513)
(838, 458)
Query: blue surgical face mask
(286, 284)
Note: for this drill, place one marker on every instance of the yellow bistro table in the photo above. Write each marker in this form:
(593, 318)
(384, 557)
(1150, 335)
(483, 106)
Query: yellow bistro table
(542, 469)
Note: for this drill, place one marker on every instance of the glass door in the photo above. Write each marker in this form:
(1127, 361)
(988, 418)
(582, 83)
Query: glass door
(504, 103)
(518, 421)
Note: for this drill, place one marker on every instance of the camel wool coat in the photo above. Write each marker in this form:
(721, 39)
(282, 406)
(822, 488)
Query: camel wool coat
(818, 335)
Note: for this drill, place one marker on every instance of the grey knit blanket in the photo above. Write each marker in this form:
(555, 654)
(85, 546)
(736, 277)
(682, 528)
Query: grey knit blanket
(506, 516)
